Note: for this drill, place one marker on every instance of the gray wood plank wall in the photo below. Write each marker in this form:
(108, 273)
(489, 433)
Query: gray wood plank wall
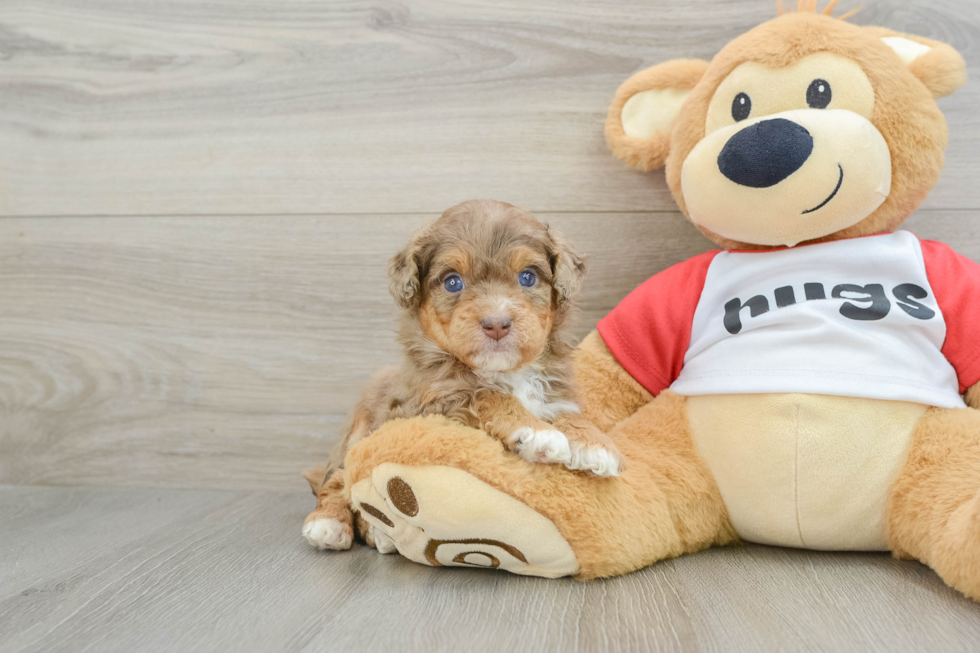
(198, 201)
(197, 204)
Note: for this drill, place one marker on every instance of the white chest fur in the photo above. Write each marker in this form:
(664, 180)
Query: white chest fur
(533, 390)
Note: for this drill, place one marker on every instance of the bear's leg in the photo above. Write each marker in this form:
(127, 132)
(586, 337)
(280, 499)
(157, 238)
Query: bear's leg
(665, 476)
(451, 495)
(934, 507)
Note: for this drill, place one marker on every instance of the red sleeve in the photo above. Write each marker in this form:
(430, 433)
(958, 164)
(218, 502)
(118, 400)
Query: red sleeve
(955, 280)
(650, 330)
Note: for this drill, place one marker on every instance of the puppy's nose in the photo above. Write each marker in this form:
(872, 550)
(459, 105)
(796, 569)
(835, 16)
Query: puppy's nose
(496, 326)
(764, 154)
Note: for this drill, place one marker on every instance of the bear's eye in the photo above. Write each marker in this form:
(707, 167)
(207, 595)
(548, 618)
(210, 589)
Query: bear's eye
(741, 107)
(818, 94)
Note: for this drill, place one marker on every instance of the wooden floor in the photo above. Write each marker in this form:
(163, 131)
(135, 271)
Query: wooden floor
(193, 570)
(197, 204)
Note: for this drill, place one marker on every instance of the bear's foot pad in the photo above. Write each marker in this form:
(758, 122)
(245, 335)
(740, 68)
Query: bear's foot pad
(443, 516)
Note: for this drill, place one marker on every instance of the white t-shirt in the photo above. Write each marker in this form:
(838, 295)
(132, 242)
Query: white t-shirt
(883, 317)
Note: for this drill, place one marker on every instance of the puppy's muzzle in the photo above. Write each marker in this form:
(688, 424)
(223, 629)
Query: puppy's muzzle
(496, 326)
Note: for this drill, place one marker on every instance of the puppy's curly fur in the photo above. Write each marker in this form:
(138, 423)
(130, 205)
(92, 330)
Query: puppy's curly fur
(487, 291)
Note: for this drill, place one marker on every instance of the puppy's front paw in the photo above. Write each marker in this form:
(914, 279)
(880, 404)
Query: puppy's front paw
(596, 459)
(547, 446)
(327, 533)
(382, 542)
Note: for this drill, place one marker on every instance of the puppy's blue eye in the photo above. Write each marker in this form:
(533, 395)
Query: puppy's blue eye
(453, 283)
(527, 278)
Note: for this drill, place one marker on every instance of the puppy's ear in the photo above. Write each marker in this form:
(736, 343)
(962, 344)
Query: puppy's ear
(567, 266)
(937, 65)
(642, 115)
(404, 271)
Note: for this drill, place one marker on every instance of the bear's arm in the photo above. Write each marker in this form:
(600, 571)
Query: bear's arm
(648, 333)
(955, 280)
(607, 392)
(973, 396)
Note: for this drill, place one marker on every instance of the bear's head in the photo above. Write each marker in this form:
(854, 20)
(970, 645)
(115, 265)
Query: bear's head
(804, 129)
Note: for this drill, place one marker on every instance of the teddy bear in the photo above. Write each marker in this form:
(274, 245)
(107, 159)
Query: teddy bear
(813, 383)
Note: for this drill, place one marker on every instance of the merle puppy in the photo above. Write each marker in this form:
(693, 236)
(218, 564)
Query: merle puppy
(486, 291)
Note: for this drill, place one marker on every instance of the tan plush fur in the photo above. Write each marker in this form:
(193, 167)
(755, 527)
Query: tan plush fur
(663, 505)
(973, 396)
(608, 394)
(942, 70)
(934, 512)
(647, 154)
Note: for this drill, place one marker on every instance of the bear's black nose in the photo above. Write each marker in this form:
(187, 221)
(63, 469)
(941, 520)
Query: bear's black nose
(765, 153)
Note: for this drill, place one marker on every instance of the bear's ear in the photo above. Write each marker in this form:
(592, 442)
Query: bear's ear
(937, 65)
(645, 108)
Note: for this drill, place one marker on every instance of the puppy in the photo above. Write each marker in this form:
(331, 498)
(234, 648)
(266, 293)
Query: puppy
(486, 292)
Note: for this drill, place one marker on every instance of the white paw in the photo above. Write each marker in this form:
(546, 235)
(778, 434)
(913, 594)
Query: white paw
(326, 533)
(382, 542)
(595, 459)
(548, 446)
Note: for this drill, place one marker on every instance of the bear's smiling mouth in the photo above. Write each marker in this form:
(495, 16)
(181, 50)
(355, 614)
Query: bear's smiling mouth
(840, 181)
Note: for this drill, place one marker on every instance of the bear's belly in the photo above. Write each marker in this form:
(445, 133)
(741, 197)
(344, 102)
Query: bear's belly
(804, 470)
